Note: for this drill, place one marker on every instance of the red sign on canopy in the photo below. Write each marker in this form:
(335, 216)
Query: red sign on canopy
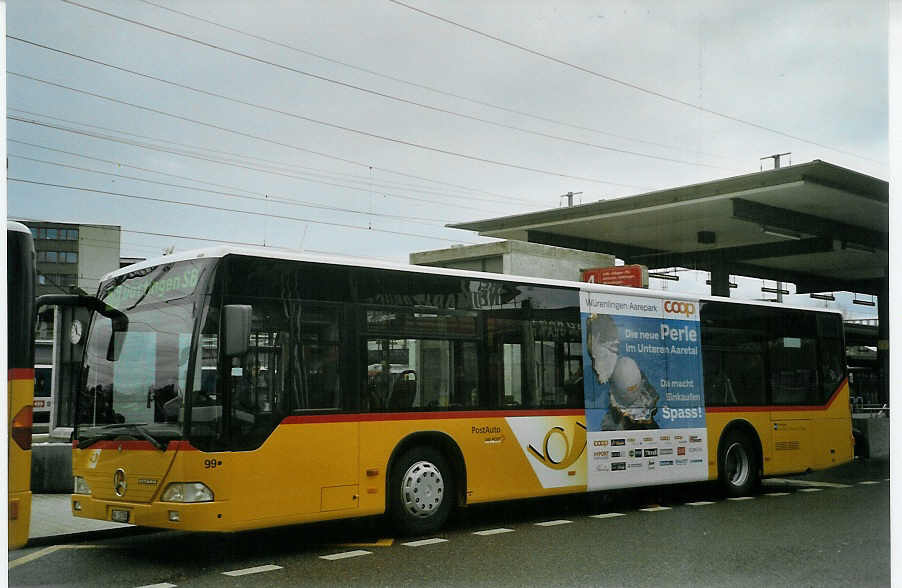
(635, 276)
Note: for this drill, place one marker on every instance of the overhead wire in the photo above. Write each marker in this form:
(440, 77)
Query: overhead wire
(194, 238)
(361, 89)
(225, 209)
(235, 164)
(266, 198)
(421, 86)
(241, 161)
(623, 83)
(332, 125)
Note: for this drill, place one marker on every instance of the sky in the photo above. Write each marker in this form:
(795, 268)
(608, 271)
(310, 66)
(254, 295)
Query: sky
(362, 128)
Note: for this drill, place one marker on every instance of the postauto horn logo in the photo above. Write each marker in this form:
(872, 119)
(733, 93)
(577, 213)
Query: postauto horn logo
(572, 450)
(679, 307)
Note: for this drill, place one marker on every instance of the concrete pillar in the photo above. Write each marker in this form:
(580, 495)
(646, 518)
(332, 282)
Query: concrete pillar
(720, 280)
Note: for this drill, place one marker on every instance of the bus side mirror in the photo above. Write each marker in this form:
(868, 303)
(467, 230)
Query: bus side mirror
(236, 328)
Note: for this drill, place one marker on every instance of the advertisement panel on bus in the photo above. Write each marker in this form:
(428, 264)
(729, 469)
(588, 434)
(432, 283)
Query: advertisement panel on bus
(645, 408)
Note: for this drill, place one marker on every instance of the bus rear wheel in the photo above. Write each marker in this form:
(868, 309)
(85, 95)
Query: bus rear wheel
(421, 491)
(738, 464)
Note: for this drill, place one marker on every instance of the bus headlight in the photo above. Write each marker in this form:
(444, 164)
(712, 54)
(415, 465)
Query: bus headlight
(80, 486)
(187, 492)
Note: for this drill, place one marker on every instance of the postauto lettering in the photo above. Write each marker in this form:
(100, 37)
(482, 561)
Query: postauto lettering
(679, 307)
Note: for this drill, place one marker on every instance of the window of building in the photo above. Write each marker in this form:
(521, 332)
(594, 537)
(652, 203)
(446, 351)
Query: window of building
(51, 234)
(69, 256)
(34, 232)
(50, 256)
(71, 234)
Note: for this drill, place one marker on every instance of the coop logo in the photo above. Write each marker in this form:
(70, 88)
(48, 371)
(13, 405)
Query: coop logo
(679, 307)
(571, 452)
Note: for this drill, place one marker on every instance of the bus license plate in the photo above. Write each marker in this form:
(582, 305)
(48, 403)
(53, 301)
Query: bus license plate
(119, 515)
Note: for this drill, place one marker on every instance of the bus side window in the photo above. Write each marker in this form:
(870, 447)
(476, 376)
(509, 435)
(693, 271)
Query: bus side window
(258, 378)
(318, 384)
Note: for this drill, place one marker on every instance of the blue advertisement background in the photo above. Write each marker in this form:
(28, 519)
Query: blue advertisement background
(661, 370)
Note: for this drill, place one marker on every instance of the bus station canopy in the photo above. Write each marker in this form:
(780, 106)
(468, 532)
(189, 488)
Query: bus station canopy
(820, 226)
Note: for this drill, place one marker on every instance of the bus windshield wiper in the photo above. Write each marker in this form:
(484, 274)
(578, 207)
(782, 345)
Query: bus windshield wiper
(117, 427)
(156, 442)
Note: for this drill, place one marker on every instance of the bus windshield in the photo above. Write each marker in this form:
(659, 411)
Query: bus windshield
(136, 372)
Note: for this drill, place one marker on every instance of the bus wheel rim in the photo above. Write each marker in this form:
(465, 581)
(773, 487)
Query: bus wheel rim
(422, 489)
(738, 464)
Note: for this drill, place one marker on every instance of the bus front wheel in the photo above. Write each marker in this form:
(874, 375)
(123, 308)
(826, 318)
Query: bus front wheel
(421, 491)
(738, 464)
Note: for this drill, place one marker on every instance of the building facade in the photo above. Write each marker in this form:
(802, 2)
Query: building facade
(70, 258)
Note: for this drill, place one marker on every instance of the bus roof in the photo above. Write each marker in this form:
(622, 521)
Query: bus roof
(350, 261)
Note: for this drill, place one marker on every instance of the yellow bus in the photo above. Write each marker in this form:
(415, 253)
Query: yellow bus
(235, 389)
(20, 376)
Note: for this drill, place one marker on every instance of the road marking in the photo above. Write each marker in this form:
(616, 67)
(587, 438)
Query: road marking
(777, 494)
(48, 550)
(804, 483)
(346, 555)
(607, 515)
(554, 523)
(811, 489)
(655, 508)
(379, 543)
(700, 503)
(867, 482)
(423, 542)
(738, 498)
(160, 585)
(255, 570)
(493, 532)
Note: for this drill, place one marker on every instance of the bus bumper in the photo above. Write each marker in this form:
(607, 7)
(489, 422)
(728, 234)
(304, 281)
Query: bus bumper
(199, 516)
(19, 518)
